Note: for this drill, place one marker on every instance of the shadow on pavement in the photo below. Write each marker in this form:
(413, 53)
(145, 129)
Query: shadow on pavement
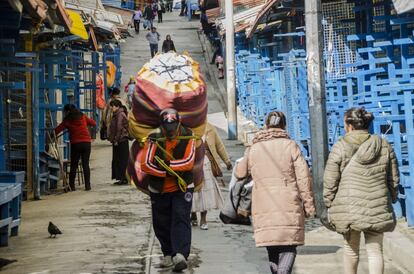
(317, 249)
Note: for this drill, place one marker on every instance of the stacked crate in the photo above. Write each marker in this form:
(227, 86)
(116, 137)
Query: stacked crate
(10, 204)
(368, 64)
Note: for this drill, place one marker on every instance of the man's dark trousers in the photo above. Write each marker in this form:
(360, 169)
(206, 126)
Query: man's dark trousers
(171, 220)
(154, 49)
(136, 25)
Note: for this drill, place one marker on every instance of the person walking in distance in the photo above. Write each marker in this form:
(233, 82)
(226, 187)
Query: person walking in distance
(209, 197)
(80, 142)
(136, 18)
(153, 37)
(183, 8)
(360, 184)
(168, 160)
(282, 195)
(168, 44)
(169, 5)
(160, 10)
(118, 136)
(148, 16)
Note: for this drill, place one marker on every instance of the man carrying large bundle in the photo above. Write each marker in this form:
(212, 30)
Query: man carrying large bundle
(168, 119)
(168, 160)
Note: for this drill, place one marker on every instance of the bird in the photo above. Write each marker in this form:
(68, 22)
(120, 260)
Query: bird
(53, 230)
(4, 262)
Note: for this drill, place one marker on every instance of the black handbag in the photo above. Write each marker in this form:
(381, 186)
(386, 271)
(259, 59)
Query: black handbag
(103, 132)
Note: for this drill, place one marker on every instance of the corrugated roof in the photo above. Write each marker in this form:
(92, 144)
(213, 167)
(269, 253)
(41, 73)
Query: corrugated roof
(242, 20)
(91, 4)
(95, 9)
(36, 8)
(102, 19)
(126, 14)
(266, 8)
(213, 14)
(239, 6)
(59, 14)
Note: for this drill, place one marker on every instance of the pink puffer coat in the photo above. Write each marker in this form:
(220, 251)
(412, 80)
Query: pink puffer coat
(282, 192)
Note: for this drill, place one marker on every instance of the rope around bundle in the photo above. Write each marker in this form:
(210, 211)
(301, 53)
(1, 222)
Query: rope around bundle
(182, 184)
(180, 181)
(172, 67)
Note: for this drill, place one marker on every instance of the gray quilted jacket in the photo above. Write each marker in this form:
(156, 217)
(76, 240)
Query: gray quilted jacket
(360, 196)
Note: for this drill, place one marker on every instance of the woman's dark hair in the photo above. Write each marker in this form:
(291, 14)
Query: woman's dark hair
(71, 112)
(114, 91)
(115, 103)
(276, 119)
(358, 118)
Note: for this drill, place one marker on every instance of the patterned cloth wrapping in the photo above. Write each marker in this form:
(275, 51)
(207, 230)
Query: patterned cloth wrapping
(170, 80)
(137, 177)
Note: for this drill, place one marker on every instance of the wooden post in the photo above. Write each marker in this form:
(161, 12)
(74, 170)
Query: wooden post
(28, 46)
(317, 100)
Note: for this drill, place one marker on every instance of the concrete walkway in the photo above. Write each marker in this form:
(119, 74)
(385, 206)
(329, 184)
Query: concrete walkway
(108, 230)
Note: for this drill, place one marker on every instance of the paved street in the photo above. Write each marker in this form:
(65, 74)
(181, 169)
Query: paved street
(108, 230)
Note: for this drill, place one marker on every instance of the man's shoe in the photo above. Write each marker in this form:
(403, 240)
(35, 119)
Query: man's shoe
(180, 263)
(166, 262)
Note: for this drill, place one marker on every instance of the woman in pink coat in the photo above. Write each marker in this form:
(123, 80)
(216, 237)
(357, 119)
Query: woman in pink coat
(282, 193)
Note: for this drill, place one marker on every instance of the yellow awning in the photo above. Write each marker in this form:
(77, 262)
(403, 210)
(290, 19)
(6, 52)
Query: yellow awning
(77, 28)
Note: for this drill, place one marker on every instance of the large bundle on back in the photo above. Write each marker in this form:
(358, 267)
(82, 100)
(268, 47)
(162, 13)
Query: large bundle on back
(174, 81)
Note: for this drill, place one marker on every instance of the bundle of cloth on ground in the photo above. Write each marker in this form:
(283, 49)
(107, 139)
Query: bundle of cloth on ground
(238, 203)
(169, 80)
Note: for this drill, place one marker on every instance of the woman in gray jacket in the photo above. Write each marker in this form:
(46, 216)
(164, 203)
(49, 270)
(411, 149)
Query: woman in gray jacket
(360, 185)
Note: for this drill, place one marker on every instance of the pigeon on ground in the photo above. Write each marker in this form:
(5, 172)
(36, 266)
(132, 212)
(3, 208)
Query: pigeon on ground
(4, 262)
(53, 230)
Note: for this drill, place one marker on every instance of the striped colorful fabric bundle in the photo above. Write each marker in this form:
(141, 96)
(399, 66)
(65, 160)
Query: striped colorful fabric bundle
(169, 80)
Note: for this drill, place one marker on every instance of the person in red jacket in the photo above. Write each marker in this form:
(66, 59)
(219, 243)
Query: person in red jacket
(80, 142)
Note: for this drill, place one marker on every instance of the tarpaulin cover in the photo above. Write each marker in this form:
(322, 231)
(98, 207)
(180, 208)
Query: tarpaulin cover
(170, 80)
(110, 73)
(100, 97)
(77, 28)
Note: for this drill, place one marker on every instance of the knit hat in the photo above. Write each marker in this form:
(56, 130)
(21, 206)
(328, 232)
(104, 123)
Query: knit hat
(170, 119)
